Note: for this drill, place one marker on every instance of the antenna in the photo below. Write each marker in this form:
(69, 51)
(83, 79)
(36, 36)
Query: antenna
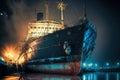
(61, 6)
(47, 11)
(84, 9)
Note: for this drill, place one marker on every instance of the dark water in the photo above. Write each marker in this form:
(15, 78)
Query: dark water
(87, 76)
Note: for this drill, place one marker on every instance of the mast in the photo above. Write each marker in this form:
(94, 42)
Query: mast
(84, 10)
(47, 10)
(84, 19)
(61, 6)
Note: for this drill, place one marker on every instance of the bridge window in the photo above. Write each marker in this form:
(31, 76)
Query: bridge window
(46, 28)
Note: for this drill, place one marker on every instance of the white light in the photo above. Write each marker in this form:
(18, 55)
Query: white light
(84, 77)
(118, 63)
(1, 14)
(2, 59)
(84, 64)
(107, 64)
(90, 64)
(96, 65)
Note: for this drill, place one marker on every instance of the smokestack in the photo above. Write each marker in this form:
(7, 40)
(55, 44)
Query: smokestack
(39, 16)
(47, 10)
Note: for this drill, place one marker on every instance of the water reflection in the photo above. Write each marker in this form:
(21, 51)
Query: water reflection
(117, 77)
(42, 77)
(87, 76)
(90, 76)
(101, 76)
(11, 78)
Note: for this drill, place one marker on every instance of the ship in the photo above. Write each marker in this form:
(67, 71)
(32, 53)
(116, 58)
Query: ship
(52, 47)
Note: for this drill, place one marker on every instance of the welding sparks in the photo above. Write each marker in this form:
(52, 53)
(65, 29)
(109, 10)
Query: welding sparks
(13, 54)
(10, 54)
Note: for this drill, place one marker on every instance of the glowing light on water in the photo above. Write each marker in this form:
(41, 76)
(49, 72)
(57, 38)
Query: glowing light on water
(11, 78)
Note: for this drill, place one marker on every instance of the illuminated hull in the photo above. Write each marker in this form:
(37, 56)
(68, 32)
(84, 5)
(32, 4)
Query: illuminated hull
(61, 51)
(59, 68)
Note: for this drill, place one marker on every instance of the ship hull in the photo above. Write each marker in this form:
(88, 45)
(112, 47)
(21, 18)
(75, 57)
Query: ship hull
(59, 52)
(56, 68)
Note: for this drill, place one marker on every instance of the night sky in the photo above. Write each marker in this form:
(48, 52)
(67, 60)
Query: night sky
(105, 14)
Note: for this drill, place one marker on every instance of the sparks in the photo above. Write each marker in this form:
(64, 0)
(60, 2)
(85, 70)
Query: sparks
(10, 54)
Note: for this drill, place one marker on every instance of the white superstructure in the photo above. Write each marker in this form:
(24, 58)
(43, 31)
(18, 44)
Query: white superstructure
(42, 28)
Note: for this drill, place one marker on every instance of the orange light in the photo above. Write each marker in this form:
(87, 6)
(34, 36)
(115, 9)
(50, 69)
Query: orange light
(10, 54)
(11, 78)
(21, 60)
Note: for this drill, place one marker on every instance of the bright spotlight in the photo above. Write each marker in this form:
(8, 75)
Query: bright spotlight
(96, 65)
(84, 64)
(118, 63)
(107, 64)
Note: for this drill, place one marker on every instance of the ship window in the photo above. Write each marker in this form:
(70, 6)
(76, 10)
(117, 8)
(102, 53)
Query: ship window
(34, 27)
(32, 32)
